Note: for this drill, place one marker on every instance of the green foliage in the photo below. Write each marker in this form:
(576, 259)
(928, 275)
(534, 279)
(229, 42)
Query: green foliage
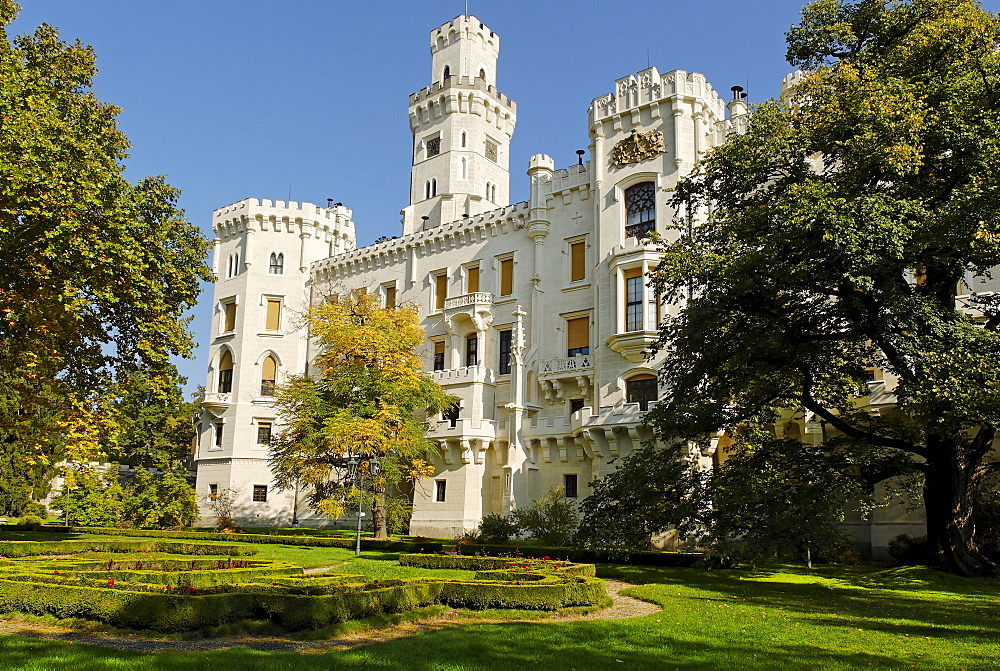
(839, 230)
(496, 528)
(363, 401)
(654, 490)
(909, 551)
(62, 547)
(30, 521)
(91, 499)
(398, 511)
(552, 519)
(163, 502)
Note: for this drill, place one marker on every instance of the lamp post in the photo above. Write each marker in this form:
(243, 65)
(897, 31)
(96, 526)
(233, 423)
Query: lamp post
(355, 472)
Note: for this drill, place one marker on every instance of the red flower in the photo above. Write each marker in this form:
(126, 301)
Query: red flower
(111, 583)
(56, 572)
(169, 587)
(545, 558)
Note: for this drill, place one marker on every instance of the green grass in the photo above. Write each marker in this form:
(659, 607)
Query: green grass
(784, 617)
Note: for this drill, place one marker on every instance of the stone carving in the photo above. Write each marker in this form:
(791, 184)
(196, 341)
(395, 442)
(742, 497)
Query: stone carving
(637, 147)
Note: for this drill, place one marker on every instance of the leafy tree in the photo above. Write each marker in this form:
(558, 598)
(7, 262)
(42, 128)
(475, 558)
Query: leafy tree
(90, 499)
(553, 519)
(160, 502)
(155, 423)
(655, 489)
(98, 272)
(840, 228)
(362, 401)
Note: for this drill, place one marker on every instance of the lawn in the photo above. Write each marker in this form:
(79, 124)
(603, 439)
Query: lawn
(784, 617)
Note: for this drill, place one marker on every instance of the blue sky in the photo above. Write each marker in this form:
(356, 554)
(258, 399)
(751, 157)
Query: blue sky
(232, 99)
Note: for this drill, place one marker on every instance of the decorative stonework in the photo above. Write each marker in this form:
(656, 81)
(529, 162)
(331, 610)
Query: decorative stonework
(637, 147)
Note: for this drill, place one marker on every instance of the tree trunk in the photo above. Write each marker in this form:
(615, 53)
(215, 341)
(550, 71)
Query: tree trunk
(378, 514)
(949, 499)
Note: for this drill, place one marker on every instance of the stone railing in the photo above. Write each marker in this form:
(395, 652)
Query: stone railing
(571, 364)
(213, 398)
(477, 298)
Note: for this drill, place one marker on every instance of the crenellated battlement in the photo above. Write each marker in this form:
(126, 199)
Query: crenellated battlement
(457, 83)
(474, 229)
(463, 26)
(245, 205)
(648, 87)
(333, 224)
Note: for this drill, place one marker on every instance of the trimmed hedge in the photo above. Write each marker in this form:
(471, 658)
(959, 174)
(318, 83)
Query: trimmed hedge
(647, 558)
(469, 563)
(33, 548)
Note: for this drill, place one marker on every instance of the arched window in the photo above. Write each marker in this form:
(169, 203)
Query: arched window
(482, 74)
(427, 190)
(641, 389)
(463, 138)
(229, 266)
(277, 264)
(434, 187)
(226, 373)
(465, 170)
(640, 210)
(447, 73)
(487, 190)
(268, 375)
(493, 193)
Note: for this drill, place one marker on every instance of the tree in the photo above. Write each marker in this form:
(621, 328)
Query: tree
(97, 272)
(553, 519)
(156, 424)
(362, 401)
(832, 240)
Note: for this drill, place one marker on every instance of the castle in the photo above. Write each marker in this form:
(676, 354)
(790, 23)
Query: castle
(537, 313)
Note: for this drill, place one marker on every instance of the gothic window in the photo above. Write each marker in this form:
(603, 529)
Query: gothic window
(506, 338)
(482, 74)
(493, 193)
(465, 170)
(569, 485)
(447, 73)
(226, 373)
(434, 187)
(463, 138)
(491, 150)
(640, 210)
(578, 336)
(427, 189)
(472, 350)
(633, 302)
(433, 146)
(277, 264)
(641, 389)
(263, 433)
(268, 375)
(439, 355)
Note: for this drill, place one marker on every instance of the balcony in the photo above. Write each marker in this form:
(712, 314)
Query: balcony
(465, 375)
(566, 366)
(217, 403)
(633, 345)
(477, 299)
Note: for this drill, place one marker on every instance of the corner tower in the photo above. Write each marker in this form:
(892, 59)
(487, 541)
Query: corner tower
(461, 127)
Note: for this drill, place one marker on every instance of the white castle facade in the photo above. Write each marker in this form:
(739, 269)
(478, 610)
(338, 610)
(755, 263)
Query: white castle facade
(537, 313)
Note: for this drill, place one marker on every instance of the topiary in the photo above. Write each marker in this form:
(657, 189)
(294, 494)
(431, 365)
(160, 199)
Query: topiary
(30, 521)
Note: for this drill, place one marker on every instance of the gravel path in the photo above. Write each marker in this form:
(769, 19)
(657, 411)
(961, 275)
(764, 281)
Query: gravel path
(623, 607)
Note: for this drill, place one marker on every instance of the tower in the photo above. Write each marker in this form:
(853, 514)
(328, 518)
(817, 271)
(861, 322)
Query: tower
(461, 127)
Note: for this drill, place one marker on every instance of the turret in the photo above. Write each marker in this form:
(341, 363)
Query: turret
(461, 127)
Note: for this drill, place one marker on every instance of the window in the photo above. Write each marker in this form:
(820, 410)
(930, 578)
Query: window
(439, 356)
(575, 405)
(226, 373)
(578, 336)
(506, 338)
(218, 434)
(493, 193)
(260, 493)
(472, 279)
(491, 151)
(577, 261)
(569, 485)
(277, 264)
(447, 73)
(263, 433)
(440, 486)
(465, 169)
(233, 267)
(640, 210)
(451, 415)
(268, 375)
(390, 297)
(213, 491)
(634, 290)
(506, 276)
(434, 187)
(427, 189)
(433, 146)
(641, 389)
(463, 138)
(273, 321)
(440, 290)
(229, 318)
(482, 74)
(472, 350)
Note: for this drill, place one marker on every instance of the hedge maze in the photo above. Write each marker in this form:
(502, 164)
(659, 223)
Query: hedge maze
(181, 585)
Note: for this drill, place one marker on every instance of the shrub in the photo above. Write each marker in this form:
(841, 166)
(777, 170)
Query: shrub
(161, 502)
(552, 519)
(496, 528)
(30, 521)
(90, 498)
(909, 550)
